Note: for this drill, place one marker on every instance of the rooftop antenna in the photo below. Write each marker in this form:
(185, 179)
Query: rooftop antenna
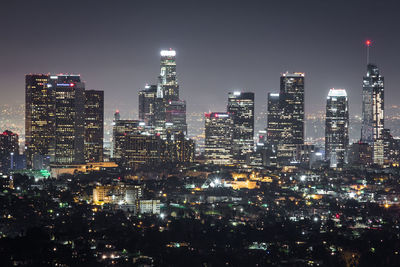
(368, 43)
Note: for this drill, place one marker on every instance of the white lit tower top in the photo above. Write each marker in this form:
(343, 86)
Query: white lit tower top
(168, 87)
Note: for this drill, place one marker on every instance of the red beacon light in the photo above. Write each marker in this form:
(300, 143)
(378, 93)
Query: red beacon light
(71, 85)
(368, 42)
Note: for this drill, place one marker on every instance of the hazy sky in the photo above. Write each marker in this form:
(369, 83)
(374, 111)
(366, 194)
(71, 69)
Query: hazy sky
(221, 46)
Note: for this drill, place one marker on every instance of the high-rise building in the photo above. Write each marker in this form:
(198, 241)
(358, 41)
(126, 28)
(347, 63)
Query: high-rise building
(69, 118)
(241, 109)
(168, 87)
(169, 110)
(336, 127)
(147, 102)
(121, 130)
(9, 150)
(55, 120)
(175, 116)
(287, 118)
(142, 149)
(218, 138)
(373, 112)
(39, 118)
(274, 128)
(94, 125)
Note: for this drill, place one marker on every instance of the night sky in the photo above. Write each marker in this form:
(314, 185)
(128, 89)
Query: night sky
(221, 46)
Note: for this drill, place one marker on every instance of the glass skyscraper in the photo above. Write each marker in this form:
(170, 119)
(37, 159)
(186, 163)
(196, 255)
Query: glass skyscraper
(57, 111)
(169, 109)
(373, 112)
(241, 109)
(336, 127)
(218, 138)
(147, 102)
(94, 125)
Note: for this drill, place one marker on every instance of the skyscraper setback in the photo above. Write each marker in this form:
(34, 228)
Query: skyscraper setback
(57, 111)
(241, 109)
(336, 127)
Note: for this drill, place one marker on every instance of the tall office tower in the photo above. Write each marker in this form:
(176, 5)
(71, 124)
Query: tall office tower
(94, 125)
(169, 109)
(39, 118)
(147, 99)
(291, 100)
(69, 118)
(175, 116)
(373, 112)
(121, 130)
(9, 150)
(117, 117)
(218, 138)
(241, 108)
(274, 129)
(336, 127)
(168, 87)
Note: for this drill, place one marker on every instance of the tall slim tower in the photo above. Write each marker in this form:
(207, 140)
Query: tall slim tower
(274, 129)
(168, 84)
(373, 111)
(94, 125)
(241, 108)
(39, 118)
(336, 127)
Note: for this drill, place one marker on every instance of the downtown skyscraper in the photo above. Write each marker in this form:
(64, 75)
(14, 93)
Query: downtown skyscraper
(373, 112)
(241, 109)
(336, 127)
(94, 125)
(147, 104)
(218, 138)
(39, 119)
(285, 129)
(170, 110)
(60, 120)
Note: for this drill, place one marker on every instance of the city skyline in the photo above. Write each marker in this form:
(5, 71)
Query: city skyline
(200, 133)
(327, 61)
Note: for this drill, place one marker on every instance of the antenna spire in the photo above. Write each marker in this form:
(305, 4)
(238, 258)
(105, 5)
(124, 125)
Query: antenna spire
(368, 43)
